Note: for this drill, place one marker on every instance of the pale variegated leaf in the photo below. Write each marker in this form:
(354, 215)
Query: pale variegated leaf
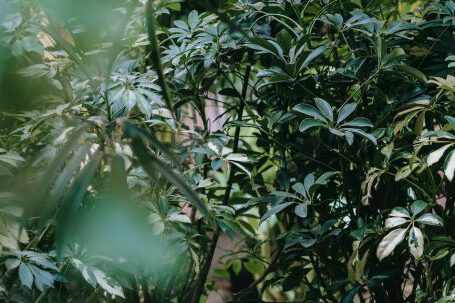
(452, 260)
(436, 155)
(415, 242)
(430, 219)
(108, 284)
(389, 242)
(395, 221)
(399, 212)
(449, 165)
(238, 157)
(179, 218)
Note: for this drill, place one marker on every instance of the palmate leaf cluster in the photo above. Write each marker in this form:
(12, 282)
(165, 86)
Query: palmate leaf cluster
(317, 136)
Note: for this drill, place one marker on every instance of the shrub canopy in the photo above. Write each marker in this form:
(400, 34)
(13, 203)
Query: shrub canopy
(318, 135)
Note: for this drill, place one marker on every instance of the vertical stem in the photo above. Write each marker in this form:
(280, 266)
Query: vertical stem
(428, 280)
(155, 54)
(200, 282)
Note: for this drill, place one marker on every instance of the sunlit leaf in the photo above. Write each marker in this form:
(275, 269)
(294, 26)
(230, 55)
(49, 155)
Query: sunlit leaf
(389, 242)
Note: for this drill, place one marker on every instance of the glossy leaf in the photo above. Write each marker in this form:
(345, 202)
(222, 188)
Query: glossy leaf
(390, 242)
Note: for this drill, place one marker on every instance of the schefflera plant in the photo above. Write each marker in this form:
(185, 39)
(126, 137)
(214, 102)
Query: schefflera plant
(410, 223)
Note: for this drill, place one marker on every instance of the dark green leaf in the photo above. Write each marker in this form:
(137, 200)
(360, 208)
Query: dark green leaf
(274, 210)
(152, 164)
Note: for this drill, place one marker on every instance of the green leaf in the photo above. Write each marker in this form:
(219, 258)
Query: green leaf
(179, 218)
(267, 46)
(350, 295)
(237, 266)
(439, 134)
(310, 111)
(258, 5)
(311, 56)
(54, 167)
(254, 266)
(345, 111)
(65, 176)
(358, 122)
(67, 214)
(308, 182)
(41, 260)
(274, 210)
(42, 277)
(412, 71)
(306, 124)
(301, 210)
(418, 206)
(322, 179)
(325, 108)
(133, 132)
(335, 19)
(152, 164)
(25, 275)
(451, 121)
(231, 92)
(216, 164)
(12, 263)
(363, 134)
(299, 188)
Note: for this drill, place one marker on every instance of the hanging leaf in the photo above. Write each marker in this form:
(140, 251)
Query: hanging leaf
(306, 124)
(108, 284)
(389, 242)
(25, 275)
(416, 242)
(436, 155)
(449, 165)
(274, 210)
(151, 163)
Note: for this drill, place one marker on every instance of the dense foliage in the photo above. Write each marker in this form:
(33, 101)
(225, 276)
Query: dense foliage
(319, 136)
